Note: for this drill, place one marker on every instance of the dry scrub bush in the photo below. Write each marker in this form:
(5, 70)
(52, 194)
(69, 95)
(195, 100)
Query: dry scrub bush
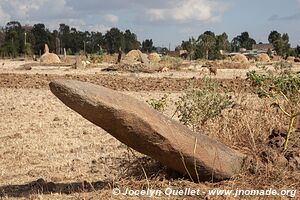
(246, 126)
(171, 62)
(108, 58)
(159, 104)
(225, 64)
(284, 90)
(283, 67)
(197, 106)
(96, 59)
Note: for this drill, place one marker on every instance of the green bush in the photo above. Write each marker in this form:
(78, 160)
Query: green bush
(197, 106)
(171, 62)
(28, 49)
(159, 104)
(283, 89)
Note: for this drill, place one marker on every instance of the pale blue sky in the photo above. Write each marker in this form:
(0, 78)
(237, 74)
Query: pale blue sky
(165, 21)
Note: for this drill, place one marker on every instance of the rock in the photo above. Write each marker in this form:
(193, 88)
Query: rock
(183, 53)
(56, 119)
(163, 69)
(136, 56)
(27, 67)
(132, 56)
(144, 58)
(290, 59)
(263, 57)
(154, 57)
(241, 58)
(282, 161)
(65, 54)
(150, 132)
(46, 49)
(276, 58)
(49, 58)
(80, 63)
(294, 160)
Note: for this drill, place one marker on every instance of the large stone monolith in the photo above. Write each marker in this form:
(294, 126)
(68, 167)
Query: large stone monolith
(49, 58)
(149, 132)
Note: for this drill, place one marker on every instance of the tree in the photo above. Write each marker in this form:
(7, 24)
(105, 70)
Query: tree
(147, 46)
(273, 36)
(280, 47)
(222, 44)
(246, 41)
(77, 41)
(298, 51)
(97, 42)
(206, 42)
(114, 39)
(40, 35)
(242, 41)
(64, 36)
(190, 47)
(235, 44)
(208, 46)
(131, 41)
(285, 37)
(28, 49)
(280, 42)
(14, 39)
(2, 37)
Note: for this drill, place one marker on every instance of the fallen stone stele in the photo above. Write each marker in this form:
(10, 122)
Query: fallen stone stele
(149, 132)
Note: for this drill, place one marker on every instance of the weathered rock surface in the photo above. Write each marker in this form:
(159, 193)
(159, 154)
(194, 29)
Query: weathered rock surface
(79, 64)
(154, 57)
(290, 59)
(241, 58)
(263, 57)
(150, 132)
(49, 58)
(135, 56)
(143, 58)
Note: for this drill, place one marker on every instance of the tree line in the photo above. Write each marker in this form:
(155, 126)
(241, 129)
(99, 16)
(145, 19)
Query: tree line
(16, 40)
(209, 46)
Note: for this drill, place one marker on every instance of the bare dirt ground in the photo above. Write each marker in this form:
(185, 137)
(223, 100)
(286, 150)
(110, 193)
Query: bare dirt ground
(50, 152)
(42, 138)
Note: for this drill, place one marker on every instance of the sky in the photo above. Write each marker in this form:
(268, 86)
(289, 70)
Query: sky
(167, 22)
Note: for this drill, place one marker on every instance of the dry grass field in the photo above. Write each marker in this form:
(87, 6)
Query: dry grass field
(50, 152)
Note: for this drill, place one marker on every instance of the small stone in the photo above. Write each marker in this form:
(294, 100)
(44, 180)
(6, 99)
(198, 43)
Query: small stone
(85, 132)
(56, 119)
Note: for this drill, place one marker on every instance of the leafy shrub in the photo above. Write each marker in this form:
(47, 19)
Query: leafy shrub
(283, 66)
(171, 62)
(284, 89)
(95, 59)
(159, 104)
(28, 49)
(197, 106)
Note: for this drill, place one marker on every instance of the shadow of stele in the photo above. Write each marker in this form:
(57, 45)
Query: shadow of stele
(43, 187)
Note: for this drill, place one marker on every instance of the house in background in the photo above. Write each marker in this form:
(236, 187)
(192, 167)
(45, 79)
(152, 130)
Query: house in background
(262, 48)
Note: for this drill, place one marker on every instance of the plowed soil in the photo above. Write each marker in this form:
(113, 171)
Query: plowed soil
(116, 82)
